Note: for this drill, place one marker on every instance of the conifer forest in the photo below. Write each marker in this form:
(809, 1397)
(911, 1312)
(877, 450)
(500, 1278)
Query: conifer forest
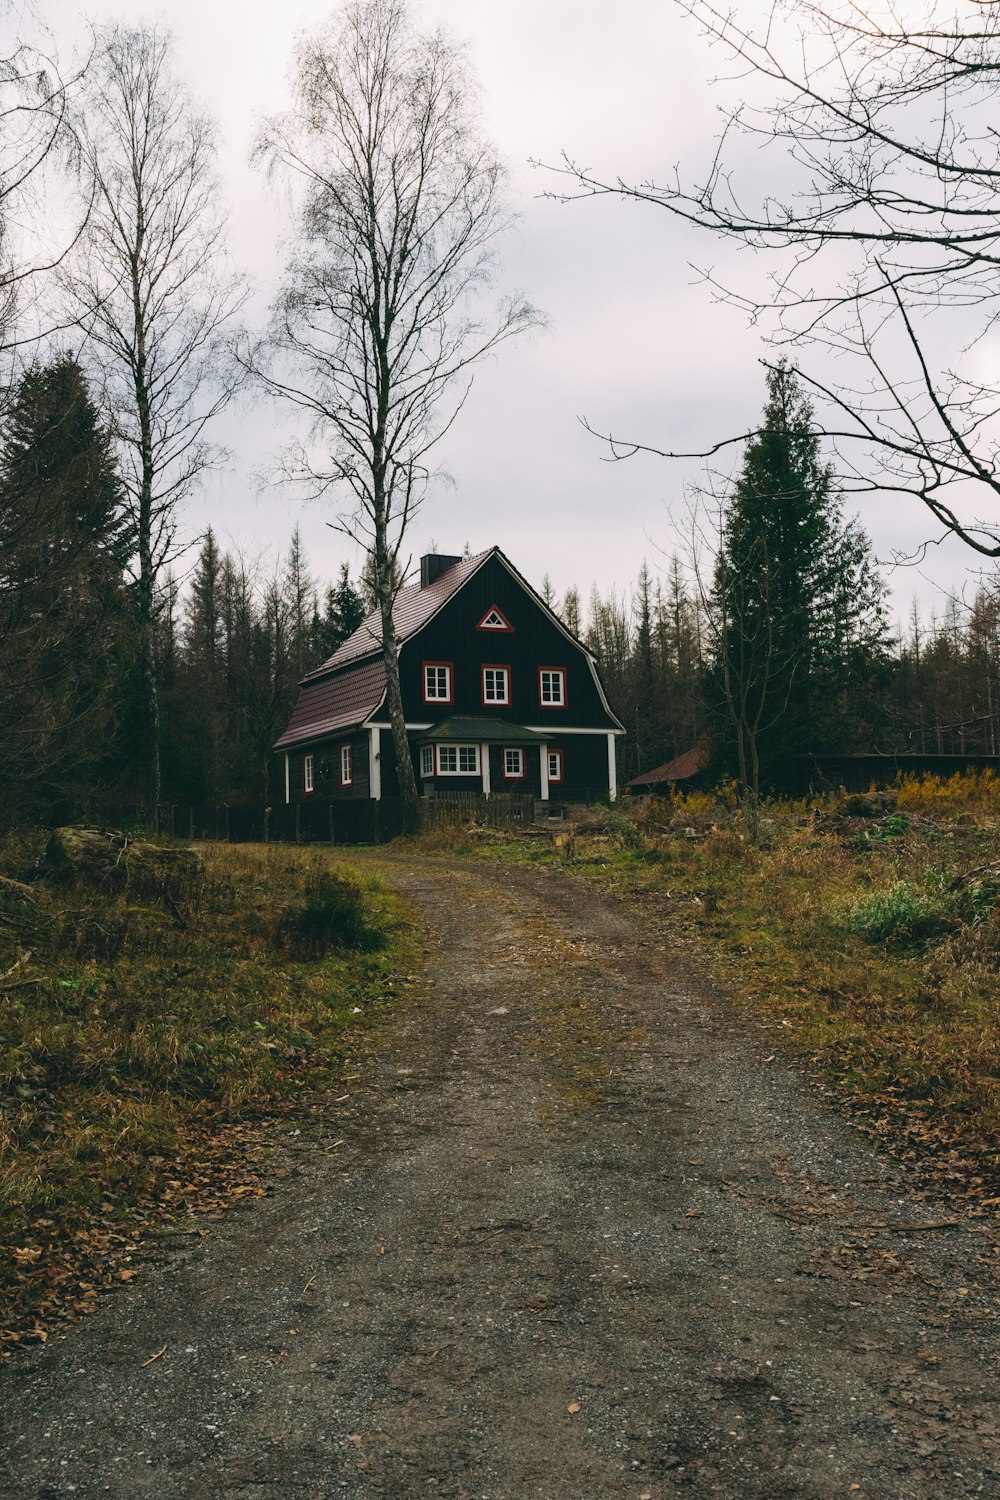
(776, 642)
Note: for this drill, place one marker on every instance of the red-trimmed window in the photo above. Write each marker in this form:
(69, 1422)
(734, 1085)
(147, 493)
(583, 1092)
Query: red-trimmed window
(427, 760)
(552, 687)
(346, 765)
(309, 773)
(554, 761)
(458, 760)
(513, 765)
(496, 686)
(494, 619)
(438, 677)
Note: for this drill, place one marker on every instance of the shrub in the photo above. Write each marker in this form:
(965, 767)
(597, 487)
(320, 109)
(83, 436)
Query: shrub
(333, 915)
(966, 791)
(906, 915)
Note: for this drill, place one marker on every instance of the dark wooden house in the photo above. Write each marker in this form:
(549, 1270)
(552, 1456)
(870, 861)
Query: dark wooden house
(498, 697)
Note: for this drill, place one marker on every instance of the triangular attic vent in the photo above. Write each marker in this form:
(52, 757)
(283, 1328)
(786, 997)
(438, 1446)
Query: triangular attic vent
(494, 620)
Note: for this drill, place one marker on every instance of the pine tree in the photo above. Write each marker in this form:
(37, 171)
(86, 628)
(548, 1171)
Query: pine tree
(343, 611)
(571, 611)
(300, 598)
(797, 605)
(63, 637)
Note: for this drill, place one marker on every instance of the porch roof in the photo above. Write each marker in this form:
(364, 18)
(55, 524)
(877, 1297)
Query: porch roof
(491, 731)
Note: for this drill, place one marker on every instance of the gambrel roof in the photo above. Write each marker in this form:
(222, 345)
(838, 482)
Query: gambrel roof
(335, 703)
(413, 608)
(348, 689)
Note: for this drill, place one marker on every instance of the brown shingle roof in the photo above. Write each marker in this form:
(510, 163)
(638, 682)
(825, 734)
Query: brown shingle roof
(334, 703)
(414, 606)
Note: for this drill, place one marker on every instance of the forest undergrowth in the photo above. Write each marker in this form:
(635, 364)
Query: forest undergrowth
(147, 1031)
(861, 932)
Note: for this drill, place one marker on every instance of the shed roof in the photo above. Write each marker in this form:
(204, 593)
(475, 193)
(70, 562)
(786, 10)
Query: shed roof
(330, 704)
(679, 769)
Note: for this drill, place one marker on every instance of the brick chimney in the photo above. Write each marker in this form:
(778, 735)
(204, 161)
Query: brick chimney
(432, 565)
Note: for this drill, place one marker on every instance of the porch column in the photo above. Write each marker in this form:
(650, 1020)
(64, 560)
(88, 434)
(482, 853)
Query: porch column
(288, 780)
(484, 764)
(375, 764)
(612, 769)
(543, 752)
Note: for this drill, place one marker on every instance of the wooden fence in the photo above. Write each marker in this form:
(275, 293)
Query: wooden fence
(322, 820)
(501, 810)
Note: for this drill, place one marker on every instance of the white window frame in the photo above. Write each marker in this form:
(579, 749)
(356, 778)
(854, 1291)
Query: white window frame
(427, 760)
(519, 773)
(458, 769)
(436, 697)
(554, 675)
(504, 673)
(309, 773)
(346, 765)
(557, 756)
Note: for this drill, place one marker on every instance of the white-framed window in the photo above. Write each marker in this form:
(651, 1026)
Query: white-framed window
(427, 760)
(309, 773)
(552, 687)
(437, 682)
(513, 765)
(555, 765)
(496, 685)
(458, 760)
(346, 765)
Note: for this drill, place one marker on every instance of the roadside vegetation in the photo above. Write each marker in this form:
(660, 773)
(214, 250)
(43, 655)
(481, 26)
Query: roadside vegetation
(152, 1014)
(862, 931)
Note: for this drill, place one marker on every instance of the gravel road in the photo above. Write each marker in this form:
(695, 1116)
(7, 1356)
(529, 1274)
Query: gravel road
(568, 1231)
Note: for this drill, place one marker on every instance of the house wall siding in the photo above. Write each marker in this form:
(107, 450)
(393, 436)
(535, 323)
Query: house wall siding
(327, 753)
(534, 642)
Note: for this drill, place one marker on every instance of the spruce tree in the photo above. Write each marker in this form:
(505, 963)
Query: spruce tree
(797, 605)
(343, 611)
(63, 548)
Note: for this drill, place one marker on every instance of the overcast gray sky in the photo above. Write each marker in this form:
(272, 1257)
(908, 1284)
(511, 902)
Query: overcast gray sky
(634, 343)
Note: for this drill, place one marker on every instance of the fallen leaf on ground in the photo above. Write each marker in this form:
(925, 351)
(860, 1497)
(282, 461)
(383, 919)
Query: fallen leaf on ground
(573, 1408)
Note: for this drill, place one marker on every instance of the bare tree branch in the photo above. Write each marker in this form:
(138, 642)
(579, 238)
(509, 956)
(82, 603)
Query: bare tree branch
(885, 242)
(150, 287)
(380, 322)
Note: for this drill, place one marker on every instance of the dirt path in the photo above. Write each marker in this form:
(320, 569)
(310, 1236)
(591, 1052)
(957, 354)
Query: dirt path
(568, 1236)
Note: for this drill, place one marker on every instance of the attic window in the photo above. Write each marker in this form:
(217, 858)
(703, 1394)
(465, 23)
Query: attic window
(494, 619)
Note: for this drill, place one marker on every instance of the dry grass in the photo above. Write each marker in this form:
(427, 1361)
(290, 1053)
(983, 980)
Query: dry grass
(134, 1031)
(851, 937)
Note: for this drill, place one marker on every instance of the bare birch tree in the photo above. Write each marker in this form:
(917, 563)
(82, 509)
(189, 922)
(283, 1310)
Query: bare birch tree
(153, 293)
(378, 327)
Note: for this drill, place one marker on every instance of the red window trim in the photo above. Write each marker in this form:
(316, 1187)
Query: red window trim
(450, 665)
(556, 780)
(350, 763)
(494, 666)
(565, 696)
(495, 609)
(524, 764)
(308, 765)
